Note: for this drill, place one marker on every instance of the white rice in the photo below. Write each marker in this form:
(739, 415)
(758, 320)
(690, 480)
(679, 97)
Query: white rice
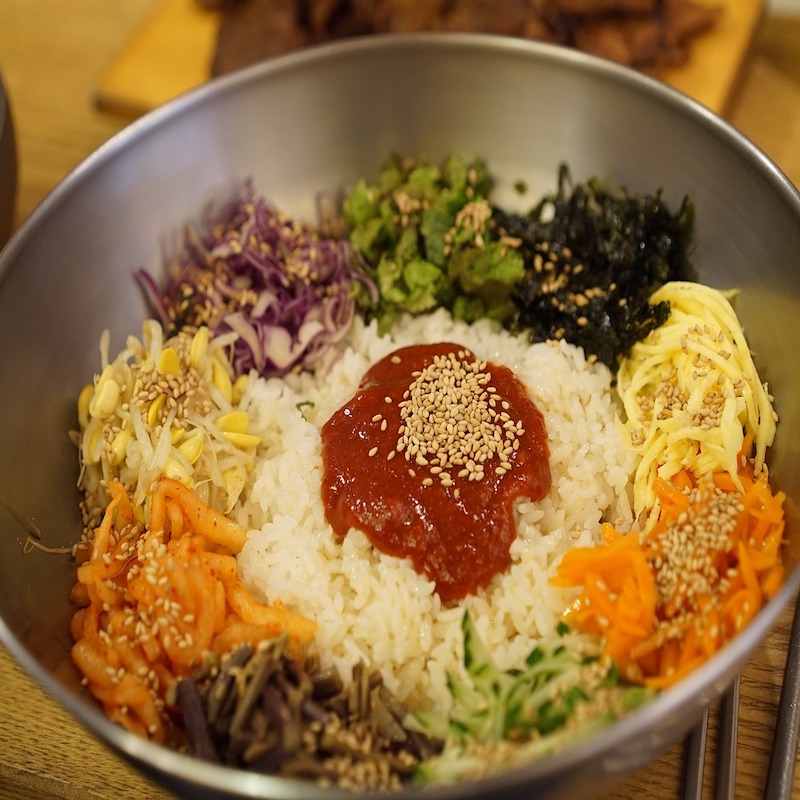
(376, 608)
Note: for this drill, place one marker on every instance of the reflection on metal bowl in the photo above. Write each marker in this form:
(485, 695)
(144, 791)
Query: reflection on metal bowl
(319, 119)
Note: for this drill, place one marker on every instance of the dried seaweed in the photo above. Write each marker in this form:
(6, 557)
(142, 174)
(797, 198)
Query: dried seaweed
(593, 257)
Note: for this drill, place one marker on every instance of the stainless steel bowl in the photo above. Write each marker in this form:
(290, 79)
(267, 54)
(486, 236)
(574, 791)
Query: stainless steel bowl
(319, 119)
(8, 167)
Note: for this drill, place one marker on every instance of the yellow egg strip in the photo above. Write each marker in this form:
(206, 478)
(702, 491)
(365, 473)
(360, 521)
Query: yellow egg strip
(691, 392)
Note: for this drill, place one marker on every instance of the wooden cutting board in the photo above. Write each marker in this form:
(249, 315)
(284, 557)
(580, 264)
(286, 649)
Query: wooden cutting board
(171, 53)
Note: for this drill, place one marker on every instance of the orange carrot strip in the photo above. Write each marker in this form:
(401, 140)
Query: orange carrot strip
(683, 479)
(773, 580)
(658, 639)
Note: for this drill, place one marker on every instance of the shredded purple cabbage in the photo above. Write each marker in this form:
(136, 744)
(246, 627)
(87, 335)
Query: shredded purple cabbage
(288, 292)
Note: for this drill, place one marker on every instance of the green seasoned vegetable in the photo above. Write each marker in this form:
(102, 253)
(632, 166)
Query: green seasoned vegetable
(593, 256)
(424, 234)
(561, 693)
(580, 266)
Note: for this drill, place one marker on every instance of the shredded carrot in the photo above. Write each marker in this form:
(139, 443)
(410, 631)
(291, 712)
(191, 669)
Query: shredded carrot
(659, 614)
(152, 603)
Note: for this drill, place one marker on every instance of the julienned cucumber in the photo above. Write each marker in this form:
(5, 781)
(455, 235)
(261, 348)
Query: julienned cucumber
(534, 706)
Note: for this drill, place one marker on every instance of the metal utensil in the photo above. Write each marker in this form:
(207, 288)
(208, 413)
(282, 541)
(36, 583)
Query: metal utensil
(727, 738)
(783, 759)
(695, 760)
(697, 745)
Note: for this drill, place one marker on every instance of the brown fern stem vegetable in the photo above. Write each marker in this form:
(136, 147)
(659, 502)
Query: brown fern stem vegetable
(262, 710)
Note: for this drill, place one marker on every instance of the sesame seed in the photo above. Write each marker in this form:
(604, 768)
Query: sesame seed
(449, 416)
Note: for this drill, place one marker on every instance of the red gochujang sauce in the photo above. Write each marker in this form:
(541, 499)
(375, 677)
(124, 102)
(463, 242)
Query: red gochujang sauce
(428, 458)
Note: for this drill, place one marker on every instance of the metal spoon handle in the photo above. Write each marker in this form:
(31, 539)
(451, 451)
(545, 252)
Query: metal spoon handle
(727, 740)
(695, 757)
(780, 778)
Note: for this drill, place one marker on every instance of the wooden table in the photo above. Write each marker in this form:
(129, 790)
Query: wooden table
(51, 56)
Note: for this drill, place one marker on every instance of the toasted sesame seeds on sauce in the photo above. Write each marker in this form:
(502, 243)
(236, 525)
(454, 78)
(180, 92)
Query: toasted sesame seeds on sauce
(428, 458)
